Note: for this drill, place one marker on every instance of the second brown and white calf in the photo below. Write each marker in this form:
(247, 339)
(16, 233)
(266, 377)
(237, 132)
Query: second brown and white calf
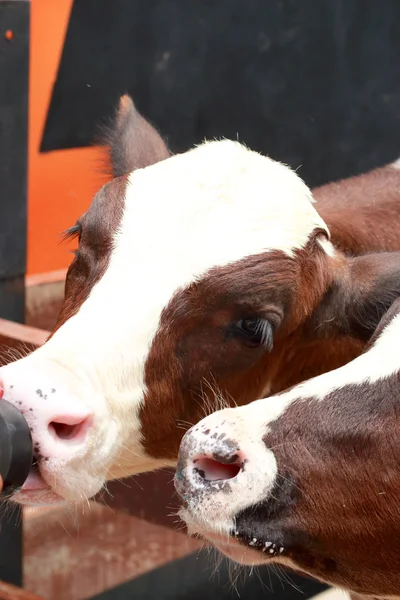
(207, 271)
(309, 478)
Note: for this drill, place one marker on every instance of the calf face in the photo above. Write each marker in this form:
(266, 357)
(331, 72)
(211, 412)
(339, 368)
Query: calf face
(208, 271)
(310, 478)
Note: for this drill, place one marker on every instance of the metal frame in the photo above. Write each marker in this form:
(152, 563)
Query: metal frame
(14, 71)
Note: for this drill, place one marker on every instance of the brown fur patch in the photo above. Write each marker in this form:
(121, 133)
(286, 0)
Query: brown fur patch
(362, 212)
(132, 141)
(329, 308)
(194, 354)
(344, 456)
(97, 228)
(340, 520)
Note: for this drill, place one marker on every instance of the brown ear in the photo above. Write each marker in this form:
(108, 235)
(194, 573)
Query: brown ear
(364, 289)
(133, 142)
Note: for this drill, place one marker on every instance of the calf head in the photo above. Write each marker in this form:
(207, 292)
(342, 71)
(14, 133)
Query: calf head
(199, 274)
(310, 478)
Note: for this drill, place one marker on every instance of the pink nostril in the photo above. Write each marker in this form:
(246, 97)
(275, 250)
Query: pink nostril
(213, 470)
(69, 428)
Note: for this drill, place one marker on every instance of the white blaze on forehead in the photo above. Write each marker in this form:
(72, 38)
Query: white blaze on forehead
(214, 205)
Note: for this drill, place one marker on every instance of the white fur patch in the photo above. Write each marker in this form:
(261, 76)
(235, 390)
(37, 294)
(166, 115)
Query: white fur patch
(327, 246)
(332, 594)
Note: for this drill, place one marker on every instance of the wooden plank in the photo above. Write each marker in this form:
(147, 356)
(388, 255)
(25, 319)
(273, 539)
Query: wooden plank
(43, 303)
(10, 592)
(148, 496)
(14, 335)
(77, 552)
(45, 278)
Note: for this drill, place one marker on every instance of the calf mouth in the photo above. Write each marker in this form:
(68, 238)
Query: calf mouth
(270, 547)
(256, 534)
(36, 491)
(244, 550)
(239, 546)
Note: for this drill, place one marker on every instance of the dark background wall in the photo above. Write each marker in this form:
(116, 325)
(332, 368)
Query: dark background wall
(315, 83)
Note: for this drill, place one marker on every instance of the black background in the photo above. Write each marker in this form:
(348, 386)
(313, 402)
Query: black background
(315, 83)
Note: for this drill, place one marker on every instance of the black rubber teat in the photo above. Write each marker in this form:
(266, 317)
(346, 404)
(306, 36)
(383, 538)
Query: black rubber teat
(16, 451)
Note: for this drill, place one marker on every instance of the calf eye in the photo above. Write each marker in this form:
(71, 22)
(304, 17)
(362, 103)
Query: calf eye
(256, 332)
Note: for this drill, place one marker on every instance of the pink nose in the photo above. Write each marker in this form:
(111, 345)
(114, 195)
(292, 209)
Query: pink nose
(58, 428)
(58, 420)
(69, 426)
(213, 469)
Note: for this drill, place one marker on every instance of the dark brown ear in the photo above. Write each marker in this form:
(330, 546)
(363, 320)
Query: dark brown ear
(133, 142)
(363, 291)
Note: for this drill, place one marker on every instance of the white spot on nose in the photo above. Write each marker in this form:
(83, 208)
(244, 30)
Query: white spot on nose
(253, 542)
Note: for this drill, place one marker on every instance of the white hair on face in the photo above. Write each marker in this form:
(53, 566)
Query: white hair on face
(214, 205)
(238, 201)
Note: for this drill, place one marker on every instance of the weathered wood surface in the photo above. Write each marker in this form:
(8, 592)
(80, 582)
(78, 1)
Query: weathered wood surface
(10, 592)
(14, 335)
(78, 552)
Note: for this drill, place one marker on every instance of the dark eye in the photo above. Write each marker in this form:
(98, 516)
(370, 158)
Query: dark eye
(257, 332)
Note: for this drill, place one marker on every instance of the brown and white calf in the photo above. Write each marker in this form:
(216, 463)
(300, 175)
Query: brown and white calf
(210, 270)
(309, 478)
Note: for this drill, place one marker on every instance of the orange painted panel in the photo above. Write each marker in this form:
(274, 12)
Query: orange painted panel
(61, 183)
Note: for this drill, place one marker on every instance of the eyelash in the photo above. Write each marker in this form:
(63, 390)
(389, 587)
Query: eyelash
(256, 331)
(71, 234)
